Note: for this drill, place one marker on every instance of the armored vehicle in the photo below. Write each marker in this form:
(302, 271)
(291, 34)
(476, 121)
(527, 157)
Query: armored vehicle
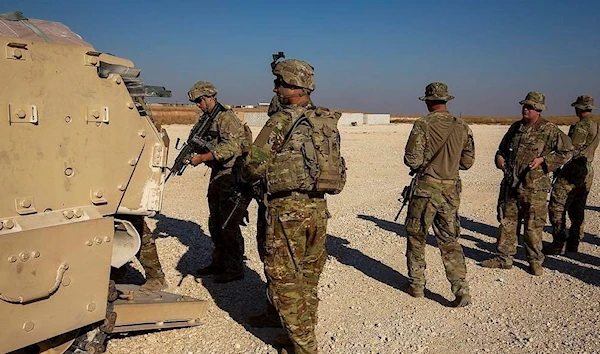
(77, 148)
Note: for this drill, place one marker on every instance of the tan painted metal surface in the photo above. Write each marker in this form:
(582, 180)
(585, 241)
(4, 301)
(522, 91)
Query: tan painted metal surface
(77, 146)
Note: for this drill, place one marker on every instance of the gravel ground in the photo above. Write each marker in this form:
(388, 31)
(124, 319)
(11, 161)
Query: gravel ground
(362, 308)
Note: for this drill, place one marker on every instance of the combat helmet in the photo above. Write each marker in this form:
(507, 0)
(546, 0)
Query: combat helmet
(296, 72)
(201, 88)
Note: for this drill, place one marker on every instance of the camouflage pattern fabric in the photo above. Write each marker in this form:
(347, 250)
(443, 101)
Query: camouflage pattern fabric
(523, 143)
(229, 244)
(574, 182)
(435, 203)
(427, 136)
(296, 72)
(228, 138)
(436, 91)
(147, 255)
(569, 198)
(530, 207)
(295, 255)
(201, 88)
(535, 99)
(584, 102)
(529, 191)
(295, 234)
(437, 194)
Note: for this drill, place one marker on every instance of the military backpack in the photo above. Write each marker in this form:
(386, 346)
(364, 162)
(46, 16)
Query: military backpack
(309, 159)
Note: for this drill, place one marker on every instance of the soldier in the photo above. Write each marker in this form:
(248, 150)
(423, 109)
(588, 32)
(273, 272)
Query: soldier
(528, 152)
(147, 255)
(296, 219)
(438, 146)
(226, 140)
(574, 181)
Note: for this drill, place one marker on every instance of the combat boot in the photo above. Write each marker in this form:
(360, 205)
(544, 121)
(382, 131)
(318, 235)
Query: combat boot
(572, 246)
(210, 269)
(463, 298)
(536, 269)
(155, 284)
(270, 318)
(229, 276)
(555, 248)
(417, 291)
(496, 262)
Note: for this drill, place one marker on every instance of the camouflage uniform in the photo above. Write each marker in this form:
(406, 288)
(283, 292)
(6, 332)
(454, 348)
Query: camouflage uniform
(436, 198)
(294, 250)
(573, 182)
(525, 199)
(147, 255)
(227, 138)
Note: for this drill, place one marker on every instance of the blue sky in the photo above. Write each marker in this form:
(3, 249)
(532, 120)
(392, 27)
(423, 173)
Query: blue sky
(375, 56)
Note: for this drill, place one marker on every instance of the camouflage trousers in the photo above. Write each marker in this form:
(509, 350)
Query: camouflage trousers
(229, 243)
(528, 208)
(436, 203)
(295, 255)
(147, 255)
(569, 197)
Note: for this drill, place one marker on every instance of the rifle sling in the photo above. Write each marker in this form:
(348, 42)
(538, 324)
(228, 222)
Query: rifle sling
(426, 166)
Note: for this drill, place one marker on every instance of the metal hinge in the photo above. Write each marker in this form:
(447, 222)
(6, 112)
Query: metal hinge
(16, 51)
(22, 113)
(96, 114)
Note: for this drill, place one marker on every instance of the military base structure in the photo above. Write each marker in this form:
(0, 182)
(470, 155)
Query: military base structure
(258, 119)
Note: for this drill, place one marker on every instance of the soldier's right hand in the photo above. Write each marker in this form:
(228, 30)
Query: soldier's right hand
(500, 162)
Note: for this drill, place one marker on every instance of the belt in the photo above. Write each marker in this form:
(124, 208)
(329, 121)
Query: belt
(297, 195)
(437, 180)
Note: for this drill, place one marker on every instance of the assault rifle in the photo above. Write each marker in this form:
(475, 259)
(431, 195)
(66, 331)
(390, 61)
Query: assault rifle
(507, 185)
(407, 192)
(195, 143)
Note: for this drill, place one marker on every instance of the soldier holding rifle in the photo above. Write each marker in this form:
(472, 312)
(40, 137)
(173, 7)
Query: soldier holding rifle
(439, 145)
(531, 149)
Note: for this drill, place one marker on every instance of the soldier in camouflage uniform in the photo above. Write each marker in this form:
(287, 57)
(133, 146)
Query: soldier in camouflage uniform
(439, 145)
(528, 152)
(227, 140)
(147, 255)
(574, 181)
(297, 220)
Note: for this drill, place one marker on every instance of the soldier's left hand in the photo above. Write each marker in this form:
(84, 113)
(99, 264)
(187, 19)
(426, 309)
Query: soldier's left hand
(536, 163)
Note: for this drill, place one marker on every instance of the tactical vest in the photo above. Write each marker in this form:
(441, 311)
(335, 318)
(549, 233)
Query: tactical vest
(309, 159)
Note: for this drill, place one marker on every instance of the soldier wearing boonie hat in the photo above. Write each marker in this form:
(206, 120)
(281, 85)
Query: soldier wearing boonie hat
(437, 193)
(573, 183)
(531, 149)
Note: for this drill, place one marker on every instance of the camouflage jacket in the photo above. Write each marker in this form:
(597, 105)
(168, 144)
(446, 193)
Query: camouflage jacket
(523, 143)
(271, 138)
(585, 139)
(426, 138)
(227, 137)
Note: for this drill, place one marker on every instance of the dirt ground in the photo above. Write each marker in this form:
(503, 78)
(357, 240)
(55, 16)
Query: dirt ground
(362, 308)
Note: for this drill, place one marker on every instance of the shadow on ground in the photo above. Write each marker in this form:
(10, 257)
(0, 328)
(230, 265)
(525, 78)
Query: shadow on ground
(339, 248)
(484, 250)
(239, 299)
